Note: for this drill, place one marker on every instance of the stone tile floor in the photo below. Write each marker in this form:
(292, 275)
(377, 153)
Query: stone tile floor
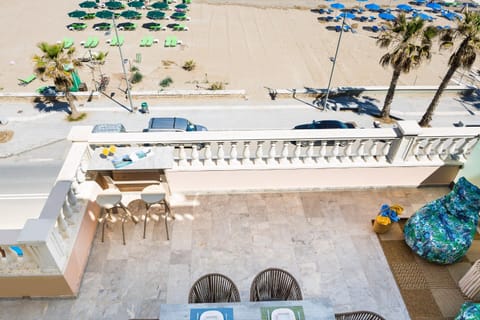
(324, 239)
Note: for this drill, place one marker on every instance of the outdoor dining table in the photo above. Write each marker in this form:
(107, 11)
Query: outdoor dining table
(311, 309)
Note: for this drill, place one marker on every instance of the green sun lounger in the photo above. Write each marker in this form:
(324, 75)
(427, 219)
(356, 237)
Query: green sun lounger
(94, 42)
(88, 43)
(173, 41)
(67, 42)
(167, 41)
(149, 41)
(25, 81)
(117, 41)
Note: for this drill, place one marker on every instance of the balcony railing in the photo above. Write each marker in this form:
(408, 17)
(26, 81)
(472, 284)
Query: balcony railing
(44, 245)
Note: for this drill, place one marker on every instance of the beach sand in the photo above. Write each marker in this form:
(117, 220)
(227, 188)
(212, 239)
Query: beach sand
(280, 45)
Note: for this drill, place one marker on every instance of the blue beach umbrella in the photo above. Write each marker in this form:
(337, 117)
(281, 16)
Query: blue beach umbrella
(337, 5)
(87, 4)
(160, 5)
(419, 2)
(362, 0)
(372, 6)
(404, 7)
(77, 14)
(434, 6)
(155, 14)
(347, 15)
(423, 16)
(386, 16)
(136, 4)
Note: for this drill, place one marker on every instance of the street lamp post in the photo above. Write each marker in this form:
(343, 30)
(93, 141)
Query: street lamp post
(123, 65)
(334, 62)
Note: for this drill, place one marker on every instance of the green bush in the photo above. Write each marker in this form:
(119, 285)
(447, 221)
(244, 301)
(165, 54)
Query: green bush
(217, 86)
(136, 77)
(189, 65)
(166, 82)
(134, 68)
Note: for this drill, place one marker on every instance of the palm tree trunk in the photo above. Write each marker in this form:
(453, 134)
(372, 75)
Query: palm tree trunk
(427, 117)
(385, 114)
(73, 108)
(454, 65)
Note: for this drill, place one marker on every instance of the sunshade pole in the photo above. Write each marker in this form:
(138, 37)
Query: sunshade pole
(123, 64)
(334, 62)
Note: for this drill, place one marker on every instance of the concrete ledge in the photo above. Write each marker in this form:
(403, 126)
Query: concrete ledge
(189, 93)
(382, 89)
(32, 95)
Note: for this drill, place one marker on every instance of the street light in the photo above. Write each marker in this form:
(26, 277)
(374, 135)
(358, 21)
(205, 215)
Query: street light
(123, 64)
(334, 60)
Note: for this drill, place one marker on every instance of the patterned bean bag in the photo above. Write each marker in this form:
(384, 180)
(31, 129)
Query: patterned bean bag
(443, 230)
(469, 311)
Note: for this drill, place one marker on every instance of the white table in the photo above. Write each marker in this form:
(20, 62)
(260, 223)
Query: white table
(314, 309)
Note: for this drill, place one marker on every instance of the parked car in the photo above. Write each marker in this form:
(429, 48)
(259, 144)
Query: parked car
(172, 124)
(324, 124)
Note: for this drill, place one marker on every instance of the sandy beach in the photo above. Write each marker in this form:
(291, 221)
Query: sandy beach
(278, 45)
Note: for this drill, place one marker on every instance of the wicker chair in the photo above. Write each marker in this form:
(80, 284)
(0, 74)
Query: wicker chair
(213, 287)
(358, 315)
(274, 284)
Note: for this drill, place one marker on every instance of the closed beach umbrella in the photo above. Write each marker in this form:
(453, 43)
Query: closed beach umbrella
(114, 5)
(160, 5)
(362, 0)
(87, 4)
(420, 2)
(404, 7)
(156, 14)
(136, 4)
(130, 14)
(181, 6)
(434, 6)
(104, 14)
(386, 16)
(372, 6)
(337, 5)
(77, 14)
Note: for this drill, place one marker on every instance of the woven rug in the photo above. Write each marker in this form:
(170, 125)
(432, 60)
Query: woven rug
(430, 291)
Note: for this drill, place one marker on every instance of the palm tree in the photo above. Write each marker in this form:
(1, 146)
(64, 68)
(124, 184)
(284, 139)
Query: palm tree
(469, 31)
(411, 43)
(57, 63)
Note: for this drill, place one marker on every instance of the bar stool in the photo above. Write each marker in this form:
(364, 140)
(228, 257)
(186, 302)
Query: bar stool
(110, 200)
(155, 194)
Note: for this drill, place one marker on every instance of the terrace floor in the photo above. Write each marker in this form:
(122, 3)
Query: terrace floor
(324, 239)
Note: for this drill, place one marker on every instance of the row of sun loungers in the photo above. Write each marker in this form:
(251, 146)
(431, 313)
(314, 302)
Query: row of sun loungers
(116, 41)
(171, 41)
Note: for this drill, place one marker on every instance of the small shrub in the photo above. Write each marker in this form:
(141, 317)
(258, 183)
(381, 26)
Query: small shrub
(217, 86)
(136, 77)
(134, 68)
(166, 82)
(81, 116)
(167, 63)
(189, 65)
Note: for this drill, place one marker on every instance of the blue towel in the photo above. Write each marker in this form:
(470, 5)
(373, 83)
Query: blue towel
(195, 313)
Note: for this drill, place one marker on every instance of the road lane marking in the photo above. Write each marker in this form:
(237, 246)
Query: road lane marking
(23, 196)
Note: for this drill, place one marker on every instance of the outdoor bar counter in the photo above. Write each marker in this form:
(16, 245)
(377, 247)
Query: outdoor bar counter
(311, 309)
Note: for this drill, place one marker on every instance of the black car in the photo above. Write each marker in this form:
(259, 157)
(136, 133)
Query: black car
(323, 124)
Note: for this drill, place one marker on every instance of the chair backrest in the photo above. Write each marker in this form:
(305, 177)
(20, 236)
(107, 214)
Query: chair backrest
(213, 287)
(358, 315)
(274, 284)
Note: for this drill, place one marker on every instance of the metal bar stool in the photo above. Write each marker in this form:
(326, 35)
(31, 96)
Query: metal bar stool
(110, 200)
(155, 194)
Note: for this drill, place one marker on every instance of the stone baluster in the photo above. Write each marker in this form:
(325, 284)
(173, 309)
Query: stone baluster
(385, 150)
(284, 153)
(333, 156)
(467, 147)
(308, 159)
(347, 152)
(72, 198)
(62, 226)
(453, 148)
(360, 152)
(233, 154)
(296, 153)
(246, 161)
(220, 154)
(440, 149)
(195, 156)
(208, 155)
(322, 153)
(67, 212)
(182, 157)
(429, 147)
(259, 154)
(416, 152)
(272, 153)
(372, 151)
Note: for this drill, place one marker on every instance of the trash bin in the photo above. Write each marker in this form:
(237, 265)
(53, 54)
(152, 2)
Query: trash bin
(144, 107)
